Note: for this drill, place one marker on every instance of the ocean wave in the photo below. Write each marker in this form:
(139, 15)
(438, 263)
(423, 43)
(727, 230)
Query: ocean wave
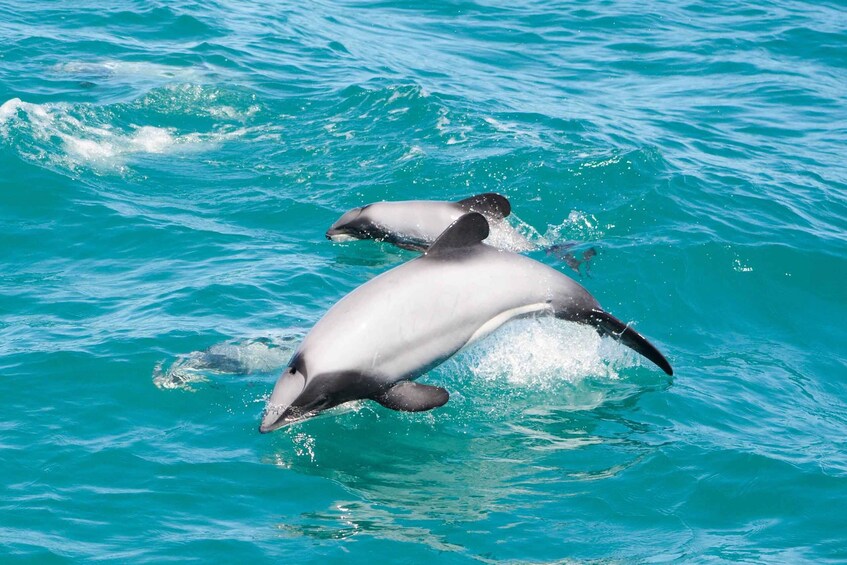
(73, 137)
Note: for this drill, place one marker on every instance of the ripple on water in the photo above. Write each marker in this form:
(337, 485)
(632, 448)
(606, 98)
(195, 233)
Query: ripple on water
(168, 175)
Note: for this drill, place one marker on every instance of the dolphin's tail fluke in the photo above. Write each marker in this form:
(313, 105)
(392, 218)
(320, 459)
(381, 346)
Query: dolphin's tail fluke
(607, 324)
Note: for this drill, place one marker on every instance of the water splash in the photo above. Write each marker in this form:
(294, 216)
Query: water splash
(577, 226)
(544, 352)
(74, 137)
(515, 235)
(235, 357)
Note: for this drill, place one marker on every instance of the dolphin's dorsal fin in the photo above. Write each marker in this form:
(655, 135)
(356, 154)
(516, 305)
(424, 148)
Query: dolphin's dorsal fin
(490, 203)
(468, 230)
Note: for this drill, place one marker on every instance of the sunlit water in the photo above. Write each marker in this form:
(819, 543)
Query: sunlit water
(169, 171)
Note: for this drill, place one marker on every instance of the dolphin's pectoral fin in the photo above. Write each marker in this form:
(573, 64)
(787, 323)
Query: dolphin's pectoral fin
(491, 203)
(407, 396)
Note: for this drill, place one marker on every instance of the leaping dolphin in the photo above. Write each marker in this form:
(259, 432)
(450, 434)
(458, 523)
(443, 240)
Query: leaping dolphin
(416, 224)
(375, 341)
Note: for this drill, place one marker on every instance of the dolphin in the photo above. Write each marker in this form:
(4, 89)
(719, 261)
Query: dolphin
(375, 341)
(416, 224)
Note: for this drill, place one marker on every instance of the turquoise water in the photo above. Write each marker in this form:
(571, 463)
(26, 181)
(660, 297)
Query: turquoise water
(169, 170)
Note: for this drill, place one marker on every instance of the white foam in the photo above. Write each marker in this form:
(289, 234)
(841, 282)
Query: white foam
(615, 159)
(544, 352)
(88, 139)
(104, 148)
(14, 110)
(88, 149)
(9, 108)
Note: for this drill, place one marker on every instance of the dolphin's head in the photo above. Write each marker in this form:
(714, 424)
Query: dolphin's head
(356, 224)
(298, 396)
(295, 398)
(280, 409)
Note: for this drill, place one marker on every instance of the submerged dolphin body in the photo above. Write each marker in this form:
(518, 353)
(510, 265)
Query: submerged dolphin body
(376, 340)
(416, 224)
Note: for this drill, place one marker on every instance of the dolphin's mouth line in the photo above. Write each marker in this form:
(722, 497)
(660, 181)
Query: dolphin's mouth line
(342, 233)
(341, 237)
(293, 414)
(289, 416)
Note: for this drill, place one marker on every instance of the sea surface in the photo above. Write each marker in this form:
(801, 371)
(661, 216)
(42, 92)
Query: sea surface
(168, 171)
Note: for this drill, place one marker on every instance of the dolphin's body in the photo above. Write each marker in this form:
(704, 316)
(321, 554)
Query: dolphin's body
(376, 340)
(416, 224)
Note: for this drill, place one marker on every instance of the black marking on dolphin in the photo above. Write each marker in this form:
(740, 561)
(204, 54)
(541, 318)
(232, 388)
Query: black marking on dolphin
(394, 328)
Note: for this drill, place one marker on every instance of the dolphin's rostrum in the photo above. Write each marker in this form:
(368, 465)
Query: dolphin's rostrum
(375, 341)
